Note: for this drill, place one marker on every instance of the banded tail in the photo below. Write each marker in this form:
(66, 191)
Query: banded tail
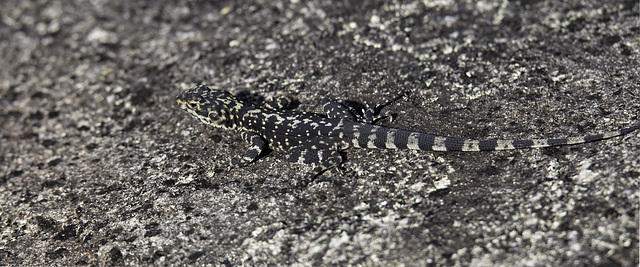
(371, 136)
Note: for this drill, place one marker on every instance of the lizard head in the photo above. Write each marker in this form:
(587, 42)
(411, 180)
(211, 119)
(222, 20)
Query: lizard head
(212, 107)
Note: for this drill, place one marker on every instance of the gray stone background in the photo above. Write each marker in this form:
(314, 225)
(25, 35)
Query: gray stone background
(99, 166)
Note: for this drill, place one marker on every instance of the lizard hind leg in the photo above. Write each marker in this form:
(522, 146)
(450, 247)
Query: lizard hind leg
(372, 113)
(337, 110)
(280, 103)
(351, 110)
(322, 159)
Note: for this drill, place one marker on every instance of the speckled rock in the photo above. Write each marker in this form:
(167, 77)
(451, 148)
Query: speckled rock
(98, 166)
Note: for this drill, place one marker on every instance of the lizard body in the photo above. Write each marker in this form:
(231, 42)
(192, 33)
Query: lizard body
(310, 138)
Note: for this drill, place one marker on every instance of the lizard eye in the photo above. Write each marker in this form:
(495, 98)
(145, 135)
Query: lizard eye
(192, 106)
(213, 115)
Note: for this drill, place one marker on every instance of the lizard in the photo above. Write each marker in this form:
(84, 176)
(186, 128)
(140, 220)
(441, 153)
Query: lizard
(311, 138)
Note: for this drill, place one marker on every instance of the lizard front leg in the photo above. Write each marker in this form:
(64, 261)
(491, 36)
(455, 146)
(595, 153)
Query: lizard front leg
(256, 146)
